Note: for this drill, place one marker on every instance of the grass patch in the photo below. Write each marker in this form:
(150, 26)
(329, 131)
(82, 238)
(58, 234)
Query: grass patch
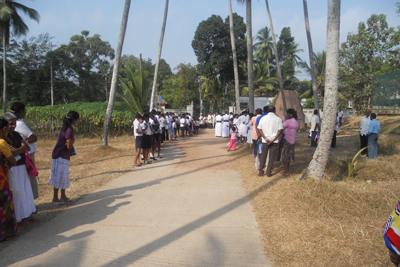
(334, 222)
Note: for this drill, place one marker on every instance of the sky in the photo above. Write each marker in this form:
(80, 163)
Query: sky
(63, 19)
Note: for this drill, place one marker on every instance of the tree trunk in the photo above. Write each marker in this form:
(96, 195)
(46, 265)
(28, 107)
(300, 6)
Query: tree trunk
(250, 74)
(114, 81)
(159, 55)
(317, 166)
(278, 67)
(4, 74)
(235, 64)
(311, 54)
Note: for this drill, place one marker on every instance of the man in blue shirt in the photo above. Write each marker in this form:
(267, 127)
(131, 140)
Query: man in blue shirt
(373, 131)
(259, 118)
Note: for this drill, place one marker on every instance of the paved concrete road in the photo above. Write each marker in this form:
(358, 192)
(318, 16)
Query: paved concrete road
(188, 209)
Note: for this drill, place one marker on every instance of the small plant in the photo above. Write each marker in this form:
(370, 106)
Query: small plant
(351, 164)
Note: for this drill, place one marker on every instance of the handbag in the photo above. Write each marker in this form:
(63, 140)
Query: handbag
(73, 152)
(30, 166)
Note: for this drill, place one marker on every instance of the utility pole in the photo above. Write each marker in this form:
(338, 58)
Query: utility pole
(201, 104)
(51, 82)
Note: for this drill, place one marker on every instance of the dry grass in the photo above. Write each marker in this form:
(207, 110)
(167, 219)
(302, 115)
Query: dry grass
(334, 222)
(93, 167)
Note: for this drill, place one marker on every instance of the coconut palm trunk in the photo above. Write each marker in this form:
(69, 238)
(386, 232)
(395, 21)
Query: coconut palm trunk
(235, 64)
(159, 55)
(278, 67)
(317, 166)
(250, 74)
(4, 74)
(114, 81)
(311, 54)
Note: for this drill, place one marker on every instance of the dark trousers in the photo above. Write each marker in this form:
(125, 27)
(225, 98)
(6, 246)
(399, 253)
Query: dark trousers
(255, 147)
(271, 149)
(314, 143)
(364, 143)
(333, 145)
(209, 125)
(163, 134)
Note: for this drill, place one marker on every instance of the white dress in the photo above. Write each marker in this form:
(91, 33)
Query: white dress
(24, 205)
(225, 126)
(249, 139)
(218, 126)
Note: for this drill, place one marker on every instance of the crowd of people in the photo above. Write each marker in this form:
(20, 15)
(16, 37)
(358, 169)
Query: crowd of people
(151, 129)
(270, 139)
(18, 173)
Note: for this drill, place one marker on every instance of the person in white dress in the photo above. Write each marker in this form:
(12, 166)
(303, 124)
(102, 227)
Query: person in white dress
(225, 125)
(24, 204)
(18, 109)
(218, 125)
(243, 121)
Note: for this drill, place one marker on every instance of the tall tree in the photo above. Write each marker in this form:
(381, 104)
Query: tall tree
(311, 56)
(317, 166)
(11, 22)
(372, 51)
(235, 62)
(264, 47)
(278, 67)
(114, 81)
(153, 91)
(249, 35)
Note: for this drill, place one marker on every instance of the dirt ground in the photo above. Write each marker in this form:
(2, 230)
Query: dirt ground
(334, 222)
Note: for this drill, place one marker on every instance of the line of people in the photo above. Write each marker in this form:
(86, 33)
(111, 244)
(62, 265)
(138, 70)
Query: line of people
(154, 128)
(270, 139)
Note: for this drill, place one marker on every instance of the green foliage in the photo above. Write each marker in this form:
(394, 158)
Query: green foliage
(374, 49)
(213, 48)
(352, 164)
(136, 88)
(48, 119)
(263, 47)
(183, 87)
(310, 103)
(263, 85)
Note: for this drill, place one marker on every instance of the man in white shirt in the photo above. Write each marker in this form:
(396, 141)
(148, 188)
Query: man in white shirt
(315, 128)
(365, 121)
(162, 122)
(182, 123)
(269, 128)
(138, 131)
(209, 121)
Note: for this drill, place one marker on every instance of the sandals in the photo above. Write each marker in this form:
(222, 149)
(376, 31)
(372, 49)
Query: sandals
(58, 203)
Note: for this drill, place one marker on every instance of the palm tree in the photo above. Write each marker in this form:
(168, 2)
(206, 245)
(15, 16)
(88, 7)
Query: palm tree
(153, 91)
(212, 89)
(114, 81)
(311, 52)
(317, 166)
(319, 61)
(249, 37)
(263, 85)
(11, 22)
(278, 67)
(235, 63)
(136, 87)
(264, 46)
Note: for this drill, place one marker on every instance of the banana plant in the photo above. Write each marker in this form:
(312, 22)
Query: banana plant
(352, 164)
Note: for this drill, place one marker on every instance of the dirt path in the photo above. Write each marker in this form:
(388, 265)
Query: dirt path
(188, 209)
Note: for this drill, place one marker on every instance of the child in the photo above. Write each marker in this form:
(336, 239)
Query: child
(59, 176)
(175, 129)
(139, 140)
(232, 143)
(146, 139)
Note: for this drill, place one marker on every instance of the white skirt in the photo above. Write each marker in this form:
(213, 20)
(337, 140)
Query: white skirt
(24, 204)
(249, 140)
(218, 129)
(59, 176)
(243, 130)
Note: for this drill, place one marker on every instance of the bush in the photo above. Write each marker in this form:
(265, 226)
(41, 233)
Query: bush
(48, 119)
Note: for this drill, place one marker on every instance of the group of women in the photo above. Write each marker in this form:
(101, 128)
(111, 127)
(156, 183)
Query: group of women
(18, 184)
